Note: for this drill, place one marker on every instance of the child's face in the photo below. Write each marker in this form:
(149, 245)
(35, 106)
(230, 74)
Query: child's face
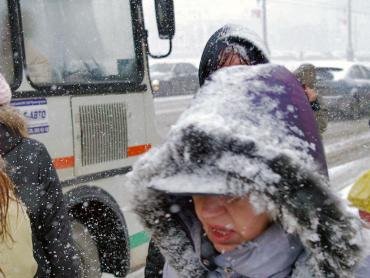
(229, 57)
(229, 221)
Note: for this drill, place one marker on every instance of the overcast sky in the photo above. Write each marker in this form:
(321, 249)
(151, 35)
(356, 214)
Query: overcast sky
(293, 25)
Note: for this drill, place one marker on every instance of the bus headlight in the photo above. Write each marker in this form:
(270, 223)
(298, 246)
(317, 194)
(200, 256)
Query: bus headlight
(155, 85)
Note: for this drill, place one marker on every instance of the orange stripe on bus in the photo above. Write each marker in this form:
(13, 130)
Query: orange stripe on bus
(137, 150)
(64, 162)
(69, 161)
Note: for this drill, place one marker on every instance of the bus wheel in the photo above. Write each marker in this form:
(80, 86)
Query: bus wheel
(87, 250)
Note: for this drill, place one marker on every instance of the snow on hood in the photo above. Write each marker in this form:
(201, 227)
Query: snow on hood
(252, 44)
(249, 130)
(235, 109)
(239, 31)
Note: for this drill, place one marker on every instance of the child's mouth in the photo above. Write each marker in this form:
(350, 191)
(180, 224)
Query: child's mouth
(220, 234)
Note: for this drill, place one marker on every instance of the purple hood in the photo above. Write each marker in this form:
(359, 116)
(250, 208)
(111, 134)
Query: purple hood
(240, 121)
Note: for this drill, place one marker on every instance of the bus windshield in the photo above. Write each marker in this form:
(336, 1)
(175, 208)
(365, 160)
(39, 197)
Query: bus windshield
(6, 56)
(78, 42)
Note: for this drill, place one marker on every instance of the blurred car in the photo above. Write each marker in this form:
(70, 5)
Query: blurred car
(174, 78)
(345, 89)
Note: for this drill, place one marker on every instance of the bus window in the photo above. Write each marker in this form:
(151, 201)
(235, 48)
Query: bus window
(6, 56)
(78, 42)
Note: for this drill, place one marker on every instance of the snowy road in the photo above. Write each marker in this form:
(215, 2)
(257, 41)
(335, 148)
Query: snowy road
(167, 110)
(347, 146)
(347, 143)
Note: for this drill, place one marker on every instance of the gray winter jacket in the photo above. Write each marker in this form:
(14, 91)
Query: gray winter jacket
(273, 254)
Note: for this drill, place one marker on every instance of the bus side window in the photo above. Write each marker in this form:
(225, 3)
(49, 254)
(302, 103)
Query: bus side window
(79, 42)
(38, 65)
(6, 55)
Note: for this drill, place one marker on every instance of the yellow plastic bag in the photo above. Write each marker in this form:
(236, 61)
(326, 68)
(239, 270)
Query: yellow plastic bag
(359, 194)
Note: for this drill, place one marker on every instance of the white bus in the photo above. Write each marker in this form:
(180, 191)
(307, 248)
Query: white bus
(79, 74)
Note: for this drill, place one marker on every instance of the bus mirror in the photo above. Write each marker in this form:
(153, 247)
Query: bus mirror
(155, 85)
(164, 13)
(165, 18)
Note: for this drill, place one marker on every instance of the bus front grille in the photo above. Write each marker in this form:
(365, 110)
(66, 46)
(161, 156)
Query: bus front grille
(103, 133)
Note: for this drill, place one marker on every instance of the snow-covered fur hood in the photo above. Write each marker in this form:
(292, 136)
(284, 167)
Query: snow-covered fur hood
(249, 130)
(250, 43)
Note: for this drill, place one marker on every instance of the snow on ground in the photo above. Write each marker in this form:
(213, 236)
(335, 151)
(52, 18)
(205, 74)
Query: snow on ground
(167, 111)
(346, 174)
(345, 191)
(193, 61)
(347, 147)
(361, 139)
(165, 107)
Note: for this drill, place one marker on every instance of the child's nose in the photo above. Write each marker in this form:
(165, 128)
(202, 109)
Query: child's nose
(212, 207)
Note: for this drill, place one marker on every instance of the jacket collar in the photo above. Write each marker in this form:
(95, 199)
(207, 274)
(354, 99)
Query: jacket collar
(274, 252)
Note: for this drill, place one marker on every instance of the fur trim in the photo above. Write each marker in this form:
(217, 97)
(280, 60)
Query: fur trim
(309, 209)
(167, 234)
(326, 230)
(11, 118)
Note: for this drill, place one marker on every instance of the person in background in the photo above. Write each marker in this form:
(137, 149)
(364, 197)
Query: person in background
(16, 252)
(231, 45)
(234, 45)
(306, 74)
(240, 186)
(30, 168)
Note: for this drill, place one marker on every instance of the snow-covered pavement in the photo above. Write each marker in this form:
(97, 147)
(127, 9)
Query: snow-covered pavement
(347, 147)
(167, 111)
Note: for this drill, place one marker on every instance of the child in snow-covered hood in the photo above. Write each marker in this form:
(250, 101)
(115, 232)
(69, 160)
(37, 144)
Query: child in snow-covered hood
(239, 188)
(237, 45)
(231, 45)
